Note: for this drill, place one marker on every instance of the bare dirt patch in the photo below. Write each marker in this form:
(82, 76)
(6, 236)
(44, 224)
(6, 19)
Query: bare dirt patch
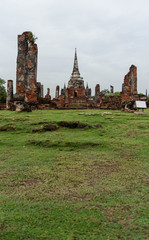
(7, 128)
(2, 228)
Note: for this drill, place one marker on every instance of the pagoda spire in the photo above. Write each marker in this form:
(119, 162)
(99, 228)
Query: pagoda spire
(75, 67)
(76, 81)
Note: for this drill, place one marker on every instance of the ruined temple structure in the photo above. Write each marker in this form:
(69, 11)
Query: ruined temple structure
(47, 96)
(110, 102)
(75, 95)
(26, 80)
(30, 93)
(39, 90)
(76, 81)
(57, 92)
(129, 87)
(28, 90)
(129, 92)
(97, 92)
(111, 90)
(88, 92)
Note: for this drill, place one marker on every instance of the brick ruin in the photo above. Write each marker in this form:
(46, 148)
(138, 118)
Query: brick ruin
(75, 95)
(28, 90)
(30, 93)
(26, 79)
(129, 87)
(47, 96)
(129, 92)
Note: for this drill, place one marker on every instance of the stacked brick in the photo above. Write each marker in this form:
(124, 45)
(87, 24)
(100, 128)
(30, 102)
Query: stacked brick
(26, 83)
(129, 87)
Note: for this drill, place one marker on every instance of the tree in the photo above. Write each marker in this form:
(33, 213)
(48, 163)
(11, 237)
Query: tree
(105, 91)
(33, 38)
(2, 91)
(116, 94)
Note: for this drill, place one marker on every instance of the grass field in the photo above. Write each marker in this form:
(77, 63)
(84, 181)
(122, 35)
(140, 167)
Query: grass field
(74, 184)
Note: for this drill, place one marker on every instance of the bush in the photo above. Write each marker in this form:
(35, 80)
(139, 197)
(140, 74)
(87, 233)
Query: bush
(116, 94)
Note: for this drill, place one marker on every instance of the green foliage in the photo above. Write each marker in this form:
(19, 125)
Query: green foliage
(83, 184)
(107, 95)
(33, 38)
(105, 91)
(141, 94)
(2, 91)
(116, 94)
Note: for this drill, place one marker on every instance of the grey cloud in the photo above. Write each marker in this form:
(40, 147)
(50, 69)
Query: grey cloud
(109, 36)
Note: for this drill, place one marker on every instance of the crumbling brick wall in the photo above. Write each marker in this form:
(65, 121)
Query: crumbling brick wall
(88, 92)
(97, 92)
(47, 96)
(26, 83)
(110, 102)
(57, 92)
(129, 87)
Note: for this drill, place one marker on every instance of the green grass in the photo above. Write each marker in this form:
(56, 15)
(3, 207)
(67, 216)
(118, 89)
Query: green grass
(74, 184)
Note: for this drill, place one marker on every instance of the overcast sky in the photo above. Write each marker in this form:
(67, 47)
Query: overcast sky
(109, 35)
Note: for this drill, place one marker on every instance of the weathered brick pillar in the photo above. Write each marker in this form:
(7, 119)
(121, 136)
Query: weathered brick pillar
(57, 92)
(48, 91)
(48, 94)
(129, 86)
(111, 90)
(26, 83)
(88, 91)
(97, 91)
(9, 93)
(133, 80)
(38, 90)
(42, 91)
